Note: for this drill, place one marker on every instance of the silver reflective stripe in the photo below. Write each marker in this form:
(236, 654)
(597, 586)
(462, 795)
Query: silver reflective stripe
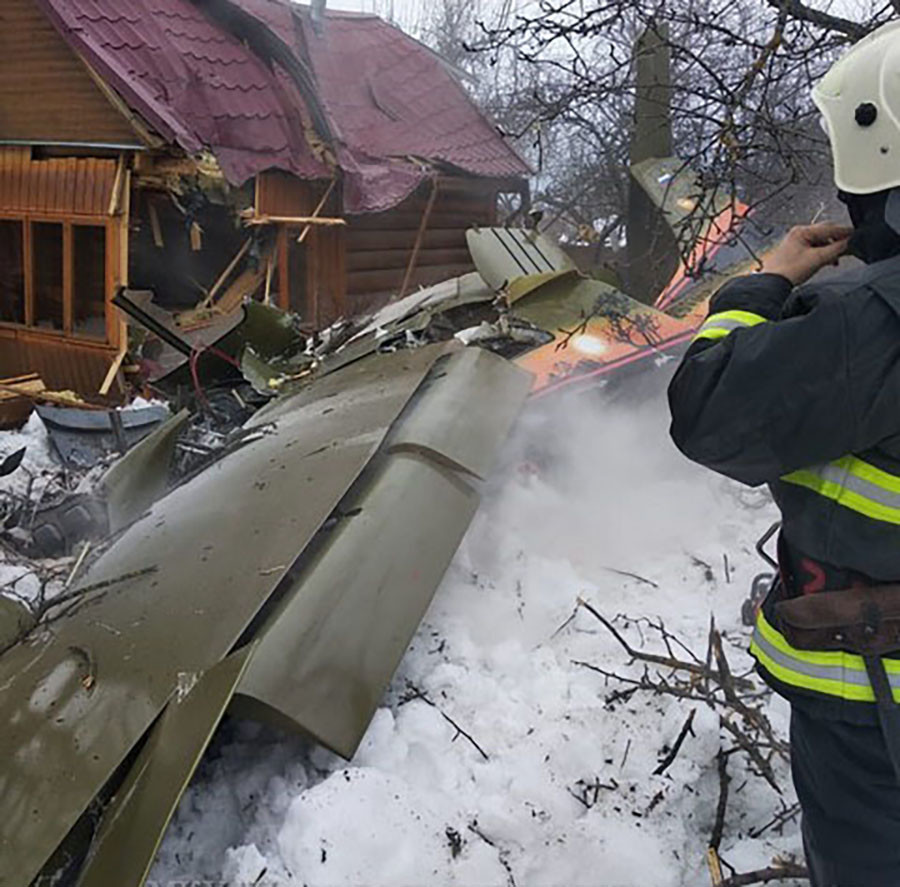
(843, 477)
(822, 672)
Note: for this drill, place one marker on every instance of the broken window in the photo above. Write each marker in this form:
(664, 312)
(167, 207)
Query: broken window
(12, 272)
(89, 280)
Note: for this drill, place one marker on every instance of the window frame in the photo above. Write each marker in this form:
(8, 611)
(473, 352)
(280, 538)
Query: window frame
(27, 219)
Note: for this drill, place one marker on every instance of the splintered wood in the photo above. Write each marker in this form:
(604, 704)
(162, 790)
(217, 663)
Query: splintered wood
(15, 398)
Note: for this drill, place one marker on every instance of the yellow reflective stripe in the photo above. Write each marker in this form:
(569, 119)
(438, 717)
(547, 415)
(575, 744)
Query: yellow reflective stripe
(712, 333)
(719, 325)
(808, 668)
(829, 687)
(832, 658)
(868, 472)
(748, 318)
(852, 467)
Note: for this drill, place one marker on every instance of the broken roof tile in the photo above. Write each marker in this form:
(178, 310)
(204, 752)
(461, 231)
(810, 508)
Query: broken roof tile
(383, 95)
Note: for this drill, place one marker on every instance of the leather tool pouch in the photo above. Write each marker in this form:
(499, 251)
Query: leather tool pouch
(864, 621)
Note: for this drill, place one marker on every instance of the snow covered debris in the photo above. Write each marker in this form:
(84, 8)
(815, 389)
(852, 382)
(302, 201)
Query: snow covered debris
(502, 755)
(39, 463)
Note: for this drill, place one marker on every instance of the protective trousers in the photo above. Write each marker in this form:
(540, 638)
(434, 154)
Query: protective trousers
(850, 797)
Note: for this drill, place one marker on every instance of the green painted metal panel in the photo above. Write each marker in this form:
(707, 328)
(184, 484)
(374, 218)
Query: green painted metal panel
(138, 814)
(134, 482)
(77, 696)
(327, 654)
(503, 254)
(464, 411)
(328, 651)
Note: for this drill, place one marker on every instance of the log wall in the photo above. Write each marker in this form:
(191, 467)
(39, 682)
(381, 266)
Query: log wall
(379, 245)
(350, 270)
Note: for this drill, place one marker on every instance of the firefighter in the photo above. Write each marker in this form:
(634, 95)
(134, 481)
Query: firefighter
(797, 385)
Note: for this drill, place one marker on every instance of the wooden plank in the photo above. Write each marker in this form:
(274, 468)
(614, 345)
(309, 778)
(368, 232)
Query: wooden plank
(284, 291)
(111, 276)
(155, 226)
(479, 204)
(314, 266)
(426, 215)
(204, 303)
(294, 220)
(338, 287)
(317, 212)
(117, 187)
(68, 197)
(116, 325)
(114, 368)
(57, 397)
(282, 195)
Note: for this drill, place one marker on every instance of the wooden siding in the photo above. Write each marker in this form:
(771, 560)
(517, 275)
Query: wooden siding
(61, 363)
(46, 92)
(280, 194)
(69, 193)
(66, 186)
(347, 271)
(311, 275)
(379, 245)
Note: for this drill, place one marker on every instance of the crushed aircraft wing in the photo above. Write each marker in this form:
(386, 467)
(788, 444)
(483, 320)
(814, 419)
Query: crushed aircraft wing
(326, 527)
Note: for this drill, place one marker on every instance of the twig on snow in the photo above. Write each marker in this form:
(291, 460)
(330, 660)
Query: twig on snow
(649, 582)
(669, 759)
(721, 808)
(668, 661)
(417, 693)
(748, 746)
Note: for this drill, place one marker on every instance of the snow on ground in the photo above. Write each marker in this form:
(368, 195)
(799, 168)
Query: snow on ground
(39, 463)
(496, 654)
(36, 476)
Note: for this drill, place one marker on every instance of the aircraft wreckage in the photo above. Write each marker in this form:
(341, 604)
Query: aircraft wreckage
(283, 577)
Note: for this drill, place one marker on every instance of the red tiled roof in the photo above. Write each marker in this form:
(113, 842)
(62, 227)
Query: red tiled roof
(383, 96)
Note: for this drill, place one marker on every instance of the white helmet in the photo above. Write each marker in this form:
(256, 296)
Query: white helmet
(860, 101)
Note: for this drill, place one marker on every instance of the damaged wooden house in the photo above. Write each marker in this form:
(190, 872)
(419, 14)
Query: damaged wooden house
(218, 150)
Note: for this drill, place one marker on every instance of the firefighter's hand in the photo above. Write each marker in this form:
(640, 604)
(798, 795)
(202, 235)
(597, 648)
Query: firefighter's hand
(805, 249)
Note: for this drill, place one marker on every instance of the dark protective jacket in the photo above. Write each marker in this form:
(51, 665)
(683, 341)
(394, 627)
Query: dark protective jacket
(800, 389)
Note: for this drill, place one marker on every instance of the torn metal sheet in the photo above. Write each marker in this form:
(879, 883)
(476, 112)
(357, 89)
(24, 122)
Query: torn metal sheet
(137, 816)
(134, 482)
(83, 437)
(328, 651)
(464, 412)
(15, 619)
(441, 296)
(201, 563)
(677, 190)
(125, 490)
(216, 351)
(503, 254)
